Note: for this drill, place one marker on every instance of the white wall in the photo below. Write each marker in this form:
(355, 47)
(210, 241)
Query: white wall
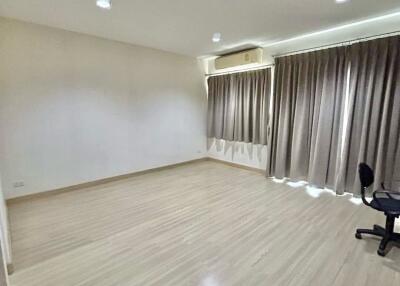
(246, 154)
(76, 108)
(4, 229)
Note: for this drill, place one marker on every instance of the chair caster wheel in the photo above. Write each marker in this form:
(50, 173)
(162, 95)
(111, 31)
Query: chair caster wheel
(358, 236)
(381, 252)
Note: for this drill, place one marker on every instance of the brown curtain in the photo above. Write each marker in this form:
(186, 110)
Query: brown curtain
(238, 106)
(307, 116)
(372, 133)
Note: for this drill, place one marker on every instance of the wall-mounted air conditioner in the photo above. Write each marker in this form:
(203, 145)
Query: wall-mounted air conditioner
(253, 56)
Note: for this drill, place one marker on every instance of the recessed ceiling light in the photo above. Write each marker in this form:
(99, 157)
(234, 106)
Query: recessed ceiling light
(341, 1)
(104, 4)
(216, 37)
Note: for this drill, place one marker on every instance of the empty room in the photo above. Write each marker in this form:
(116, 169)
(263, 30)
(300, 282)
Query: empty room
(199, 143)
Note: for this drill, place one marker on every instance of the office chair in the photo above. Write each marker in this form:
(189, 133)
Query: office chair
(384, 201)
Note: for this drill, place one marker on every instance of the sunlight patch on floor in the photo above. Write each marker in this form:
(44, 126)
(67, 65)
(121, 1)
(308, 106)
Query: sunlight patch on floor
(210, 281)
(315, 192)
(356, 201)
(279, 181)
(297, 184)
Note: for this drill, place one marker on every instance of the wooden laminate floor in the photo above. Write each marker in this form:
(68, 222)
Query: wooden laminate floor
(205, 224)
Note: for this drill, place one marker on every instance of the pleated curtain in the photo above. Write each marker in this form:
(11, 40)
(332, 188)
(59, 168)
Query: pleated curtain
(238, 106)
(331, 110)
(305, 140)
(373, 128)
(221, 108)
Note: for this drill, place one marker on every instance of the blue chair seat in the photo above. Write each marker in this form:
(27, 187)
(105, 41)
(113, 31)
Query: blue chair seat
(386, 205)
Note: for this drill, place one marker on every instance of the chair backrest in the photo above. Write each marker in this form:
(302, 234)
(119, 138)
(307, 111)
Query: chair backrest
(366, 179)
(366, 175)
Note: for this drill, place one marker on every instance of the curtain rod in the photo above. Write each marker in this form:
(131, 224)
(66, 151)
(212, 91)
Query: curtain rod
(344, 43)
(238, 71)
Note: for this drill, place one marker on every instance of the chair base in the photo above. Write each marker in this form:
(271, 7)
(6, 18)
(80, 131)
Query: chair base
(387, 234)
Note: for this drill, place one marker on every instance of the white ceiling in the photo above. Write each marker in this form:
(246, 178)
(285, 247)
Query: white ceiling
(186, 26)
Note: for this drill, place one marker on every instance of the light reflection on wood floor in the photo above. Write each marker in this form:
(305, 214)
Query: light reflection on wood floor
(203, 224)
